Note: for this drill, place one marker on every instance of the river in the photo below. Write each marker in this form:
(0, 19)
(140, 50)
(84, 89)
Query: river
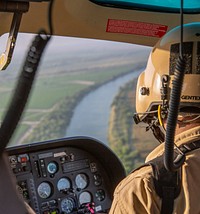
(91, 115)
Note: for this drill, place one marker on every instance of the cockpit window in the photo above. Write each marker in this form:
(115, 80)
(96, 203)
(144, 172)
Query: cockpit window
(83, 88)
(172, 6)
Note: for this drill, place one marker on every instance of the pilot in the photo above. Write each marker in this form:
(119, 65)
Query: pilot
(139, 191)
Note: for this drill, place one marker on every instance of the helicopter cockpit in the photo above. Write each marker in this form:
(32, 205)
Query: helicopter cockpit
(76, 174)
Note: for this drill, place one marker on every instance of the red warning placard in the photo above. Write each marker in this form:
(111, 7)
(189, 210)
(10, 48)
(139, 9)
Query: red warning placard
(136, 28)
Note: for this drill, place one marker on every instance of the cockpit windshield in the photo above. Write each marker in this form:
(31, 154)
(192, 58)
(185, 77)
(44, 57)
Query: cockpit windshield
(84, 88)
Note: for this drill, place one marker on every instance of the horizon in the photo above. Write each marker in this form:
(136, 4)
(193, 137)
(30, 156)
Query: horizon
(69, 50)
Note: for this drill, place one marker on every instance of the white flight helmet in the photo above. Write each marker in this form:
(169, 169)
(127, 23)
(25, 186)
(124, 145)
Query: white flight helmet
(155, 83)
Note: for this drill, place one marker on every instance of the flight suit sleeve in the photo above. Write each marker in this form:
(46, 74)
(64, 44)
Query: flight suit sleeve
(135, 194)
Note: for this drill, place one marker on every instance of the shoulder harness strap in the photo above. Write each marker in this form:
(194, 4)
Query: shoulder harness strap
(168, 184)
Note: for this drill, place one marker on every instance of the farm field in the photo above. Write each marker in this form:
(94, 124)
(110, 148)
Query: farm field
(50, 92)
(64, 77)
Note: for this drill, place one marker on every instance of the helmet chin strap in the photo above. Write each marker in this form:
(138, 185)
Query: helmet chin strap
(156, 123)
(157, 132)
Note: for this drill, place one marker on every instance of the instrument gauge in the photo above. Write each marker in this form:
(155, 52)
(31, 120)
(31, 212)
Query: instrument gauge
(100, 195)
(67, 205)
(85, 197)
(44, 190)
(52, 167)
(81, 181)
(63, 184)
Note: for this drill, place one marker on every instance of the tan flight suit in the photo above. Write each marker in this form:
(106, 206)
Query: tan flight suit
(135, 194)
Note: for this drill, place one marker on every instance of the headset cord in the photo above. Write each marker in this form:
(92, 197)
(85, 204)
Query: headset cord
(23, 88)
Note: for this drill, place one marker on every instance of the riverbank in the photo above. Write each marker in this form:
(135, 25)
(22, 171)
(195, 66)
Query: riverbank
(91, 115)
(54, 124)
(130, 142)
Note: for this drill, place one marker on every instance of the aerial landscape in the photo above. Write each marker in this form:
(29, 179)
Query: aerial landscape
(70, 69)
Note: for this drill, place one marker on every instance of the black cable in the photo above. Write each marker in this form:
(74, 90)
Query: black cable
(22, 90)
(170, 165)
(24, 84)
(175, 95)
(51, 30)
(181, 40)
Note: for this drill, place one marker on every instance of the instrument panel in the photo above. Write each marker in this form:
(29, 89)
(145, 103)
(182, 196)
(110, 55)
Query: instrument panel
(73, 175)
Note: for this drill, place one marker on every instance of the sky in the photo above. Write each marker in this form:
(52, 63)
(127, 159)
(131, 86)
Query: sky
(63, 43)
(63, 49)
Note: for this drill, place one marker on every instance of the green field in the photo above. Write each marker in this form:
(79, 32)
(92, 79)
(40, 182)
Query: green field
(65, 75)
(19, 132)
(53, 99)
